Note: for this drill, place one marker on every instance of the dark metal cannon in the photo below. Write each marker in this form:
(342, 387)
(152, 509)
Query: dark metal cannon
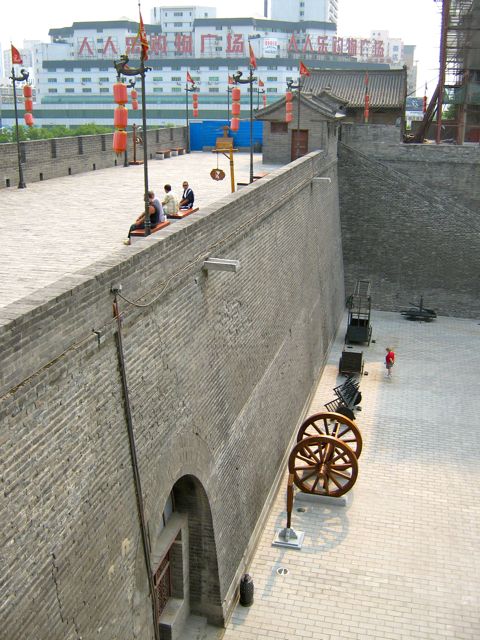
(419, 312)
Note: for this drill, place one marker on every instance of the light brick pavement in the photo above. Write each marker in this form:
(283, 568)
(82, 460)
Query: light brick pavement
(401, 561)
(54, 228)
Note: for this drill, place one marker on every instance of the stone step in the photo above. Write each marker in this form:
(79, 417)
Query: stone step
(196, 628)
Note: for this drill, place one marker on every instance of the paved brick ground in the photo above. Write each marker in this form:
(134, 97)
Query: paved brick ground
(401, 561)
(71, 222)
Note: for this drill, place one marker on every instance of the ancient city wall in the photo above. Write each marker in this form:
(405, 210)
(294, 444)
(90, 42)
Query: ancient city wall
(219, 367)
(452, 171)
(406, 237)
(44, 159)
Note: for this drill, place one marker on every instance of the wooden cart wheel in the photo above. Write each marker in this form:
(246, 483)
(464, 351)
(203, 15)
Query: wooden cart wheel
(332, 424)
(323, 466)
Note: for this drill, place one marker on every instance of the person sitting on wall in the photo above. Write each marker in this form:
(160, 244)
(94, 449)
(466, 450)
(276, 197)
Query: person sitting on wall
(188, 197)
(156, 212)
(170, 201)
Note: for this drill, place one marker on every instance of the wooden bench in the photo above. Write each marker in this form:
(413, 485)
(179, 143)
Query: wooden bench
(348, 397)
(260, 175)
(180, 150)
(163, 153)
(140, 233)
(182, 213)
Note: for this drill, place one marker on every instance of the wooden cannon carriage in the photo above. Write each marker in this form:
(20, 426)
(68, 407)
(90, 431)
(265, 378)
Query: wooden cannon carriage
(359, 306)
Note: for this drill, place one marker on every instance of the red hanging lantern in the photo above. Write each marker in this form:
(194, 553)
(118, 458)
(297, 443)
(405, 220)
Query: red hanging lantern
(27, 91)
(289, 117)
(134, 94)
(289, 107)
(264, 101)
(235, 94)
(288, 96)
(195, 97)
(119, 142)
(135, 105)
(120, 117)
(234, 124)
(236, 109)
(28, 119)
(195, 113)
(28, 104)
(120, 94)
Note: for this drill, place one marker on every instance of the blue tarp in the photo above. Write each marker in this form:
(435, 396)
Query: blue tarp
(205, 133)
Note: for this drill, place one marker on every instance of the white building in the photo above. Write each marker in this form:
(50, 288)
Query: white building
(74, 72)
(299, 10)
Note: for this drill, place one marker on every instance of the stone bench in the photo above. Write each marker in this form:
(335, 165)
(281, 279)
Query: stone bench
(140, 233)
(182, 213)
(163, 153)
(179, 150)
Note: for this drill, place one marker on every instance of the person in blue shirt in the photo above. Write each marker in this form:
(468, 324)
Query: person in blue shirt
(188, 198)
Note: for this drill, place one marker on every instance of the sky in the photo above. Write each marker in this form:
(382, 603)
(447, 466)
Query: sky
(414, 21)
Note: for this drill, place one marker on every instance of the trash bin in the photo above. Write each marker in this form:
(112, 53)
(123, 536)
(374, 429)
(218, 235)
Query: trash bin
(246, 590)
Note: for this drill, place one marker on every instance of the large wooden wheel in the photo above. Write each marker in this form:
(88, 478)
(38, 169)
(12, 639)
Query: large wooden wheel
(332, 424)
(323, 465)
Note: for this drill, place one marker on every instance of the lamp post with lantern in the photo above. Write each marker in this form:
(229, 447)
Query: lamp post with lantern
(23, 77)
(190, 89)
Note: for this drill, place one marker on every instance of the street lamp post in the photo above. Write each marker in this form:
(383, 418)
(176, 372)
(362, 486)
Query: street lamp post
(22, 78)
(188, 90)
(259, 92)
(237, 79)
(122, 68)
(298, 87)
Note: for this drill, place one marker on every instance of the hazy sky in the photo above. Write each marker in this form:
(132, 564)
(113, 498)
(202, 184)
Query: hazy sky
(415, 21)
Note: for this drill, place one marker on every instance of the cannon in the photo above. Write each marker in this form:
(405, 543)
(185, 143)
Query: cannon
(419, 312)
(324, 460)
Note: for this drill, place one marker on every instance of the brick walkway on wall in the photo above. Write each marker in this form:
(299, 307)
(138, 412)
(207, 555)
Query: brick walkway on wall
(52, 229)
(401, 561)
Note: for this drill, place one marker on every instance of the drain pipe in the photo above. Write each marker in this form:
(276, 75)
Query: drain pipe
(134, 460)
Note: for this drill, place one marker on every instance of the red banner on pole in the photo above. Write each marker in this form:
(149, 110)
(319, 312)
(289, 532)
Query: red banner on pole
(16, 57)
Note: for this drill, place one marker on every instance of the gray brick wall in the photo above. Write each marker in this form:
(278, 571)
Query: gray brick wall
(219, 366)
(44, 159)
(406, 237)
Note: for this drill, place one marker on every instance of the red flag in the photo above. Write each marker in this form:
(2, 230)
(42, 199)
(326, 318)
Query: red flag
(304, 70)
(261, 83)
(253, 62)
(230, 80)
(142, 36)
(189, 78)
(16, 57)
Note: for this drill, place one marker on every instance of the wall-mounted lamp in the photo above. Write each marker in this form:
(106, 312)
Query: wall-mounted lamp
(221, 264)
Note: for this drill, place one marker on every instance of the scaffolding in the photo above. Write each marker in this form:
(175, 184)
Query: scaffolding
(459, 74)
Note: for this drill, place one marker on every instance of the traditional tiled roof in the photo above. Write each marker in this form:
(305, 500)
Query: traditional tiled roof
(326, 104)
(386, 89)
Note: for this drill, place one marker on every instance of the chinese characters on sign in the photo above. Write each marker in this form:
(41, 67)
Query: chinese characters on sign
(233, 45)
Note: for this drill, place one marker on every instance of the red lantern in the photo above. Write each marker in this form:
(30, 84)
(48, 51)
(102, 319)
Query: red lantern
(289, 117)
(27, 91)
(288, 96)
(264, 101)
(235, 94)
(119, 141)
(134, 94)
(135, 105)
(28, 119)
(195, 113)
(289, 107)
(28, 104)
(234, 124)
(236, 109)
(120, 117)
(120, 95)
(195, 97)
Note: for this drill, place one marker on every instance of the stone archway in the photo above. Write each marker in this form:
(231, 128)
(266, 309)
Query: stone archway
(190, 499)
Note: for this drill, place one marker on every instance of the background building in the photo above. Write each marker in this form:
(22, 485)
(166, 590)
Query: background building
(294, 10)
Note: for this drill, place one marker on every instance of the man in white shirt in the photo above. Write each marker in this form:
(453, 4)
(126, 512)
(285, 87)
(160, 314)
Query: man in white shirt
(170, 201)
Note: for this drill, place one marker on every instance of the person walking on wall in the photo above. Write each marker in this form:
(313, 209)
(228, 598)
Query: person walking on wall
(389, 361)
